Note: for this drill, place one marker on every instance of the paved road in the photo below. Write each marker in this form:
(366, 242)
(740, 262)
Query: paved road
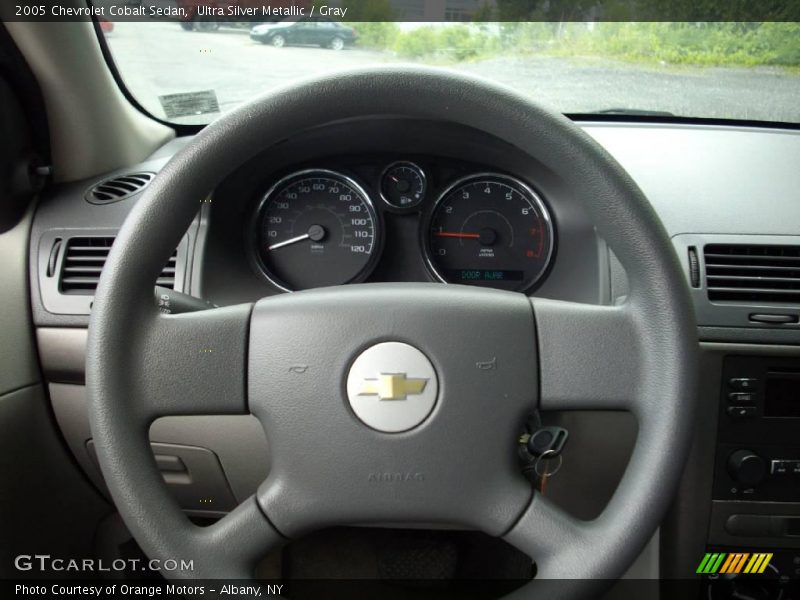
(160, 58)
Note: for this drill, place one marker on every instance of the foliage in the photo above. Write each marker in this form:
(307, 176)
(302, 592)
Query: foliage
(377, 35)
(699, 44)
(374, 20)
(418, 43)
(459, 42)
(704, 44)
(647, 10)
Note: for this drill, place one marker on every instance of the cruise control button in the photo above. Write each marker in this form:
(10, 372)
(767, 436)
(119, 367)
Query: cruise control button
(742, 398)
(741, 412)
(779, 467)
(744, 383)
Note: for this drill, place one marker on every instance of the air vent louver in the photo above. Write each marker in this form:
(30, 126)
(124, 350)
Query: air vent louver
(83, 262)
(753, 273)
(119, 188)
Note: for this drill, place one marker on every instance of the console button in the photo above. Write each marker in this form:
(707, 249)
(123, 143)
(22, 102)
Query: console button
(748, 525)
(794, 467)
(744, 383)
(741, 412)
(742, 398)
(779, 467)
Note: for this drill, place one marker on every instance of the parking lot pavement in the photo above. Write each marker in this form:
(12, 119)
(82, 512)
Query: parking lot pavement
(161, 58)
(590, 85)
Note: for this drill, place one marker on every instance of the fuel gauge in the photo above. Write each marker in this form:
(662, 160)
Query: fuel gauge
(403, 185)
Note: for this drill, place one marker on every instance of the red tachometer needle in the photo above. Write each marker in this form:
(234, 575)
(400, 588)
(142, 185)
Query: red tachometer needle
(471, 236)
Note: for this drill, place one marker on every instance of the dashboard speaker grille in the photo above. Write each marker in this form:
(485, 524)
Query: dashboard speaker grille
(119, 188)
(752, 272)
(84, 258)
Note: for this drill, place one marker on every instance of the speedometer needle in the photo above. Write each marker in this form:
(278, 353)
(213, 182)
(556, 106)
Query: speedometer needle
(316, 233)
(294, 240)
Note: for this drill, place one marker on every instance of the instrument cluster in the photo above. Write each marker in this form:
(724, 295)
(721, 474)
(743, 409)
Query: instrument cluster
(319, 227)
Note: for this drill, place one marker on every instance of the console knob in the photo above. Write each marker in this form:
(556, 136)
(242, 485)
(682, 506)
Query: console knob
(747, 467)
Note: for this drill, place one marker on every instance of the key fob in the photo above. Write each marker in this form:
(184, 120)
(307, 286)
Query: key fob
(548, 440)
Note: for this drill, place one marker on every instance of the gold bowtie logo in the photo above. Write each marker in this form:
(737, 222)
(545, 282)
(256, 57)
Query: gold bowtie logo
(392, 386)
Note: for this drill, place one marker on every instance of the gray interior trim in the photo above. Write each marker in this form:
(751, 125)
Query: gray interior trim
(236, 440)
(62, 352)
(93, 128)
(18, 362)
(749, 336)
(647, 565)
(63, 212)
(46, 502)
(732, 314)
(56, 302)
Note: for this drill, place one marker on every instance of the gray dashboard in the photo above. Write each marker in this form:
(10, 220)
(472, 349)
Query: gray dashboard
(216, 260)
(732, 184)
(702, 180)
(712, 179)
(719, 185)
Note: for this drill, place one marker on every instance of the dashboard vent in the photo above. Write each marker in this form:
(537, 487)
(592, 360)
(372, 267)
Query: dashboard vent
(119, 188)
(753, 272)
(83, 262)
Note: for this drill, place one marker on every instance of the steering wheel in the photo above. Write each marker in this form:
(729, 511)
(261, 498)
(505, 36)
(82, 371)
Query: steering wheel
(297, 361)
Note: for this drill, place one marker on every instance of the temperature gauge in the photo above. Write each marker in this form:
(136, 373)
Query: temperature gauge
(403, 185)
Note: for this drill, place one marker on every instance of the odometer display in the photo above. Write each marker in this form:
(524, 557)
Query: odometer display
(490, 230)
(316, 228)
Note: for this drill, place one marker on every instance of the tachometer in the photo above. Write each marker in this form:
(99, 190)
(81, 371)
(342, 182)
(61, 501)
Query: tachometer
(490, 230)
(316, 228)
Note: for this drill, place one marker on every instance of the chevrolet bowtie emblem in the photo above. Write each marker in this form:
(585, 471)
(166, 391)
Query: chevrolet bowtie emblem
(392, 386)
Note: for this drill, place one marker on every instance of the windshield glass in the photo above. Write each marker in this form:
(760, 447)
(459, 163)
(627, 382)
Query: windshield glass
(198, 65)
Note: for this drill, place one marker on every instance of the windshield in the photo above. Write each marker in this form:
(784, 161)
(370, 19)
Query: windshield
(197, 66)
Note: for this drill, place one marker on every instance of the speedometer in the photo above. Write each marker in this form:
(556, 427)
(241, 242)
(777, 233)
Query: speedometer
(490, 230)
(316, 228)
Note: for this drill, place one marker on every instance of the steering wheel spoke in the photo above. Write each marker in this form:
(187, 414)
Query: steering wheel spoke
(246, 535)
(192, 363)
(590, 356)
(544, 532)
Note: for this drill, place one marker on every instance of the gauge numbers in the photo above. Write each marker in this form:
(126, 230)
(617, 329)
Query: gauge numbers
(316, 228)
(490, 230)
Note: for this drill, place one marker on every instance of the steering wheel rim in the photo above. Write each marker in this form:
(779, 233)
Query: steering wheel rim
(639, 356)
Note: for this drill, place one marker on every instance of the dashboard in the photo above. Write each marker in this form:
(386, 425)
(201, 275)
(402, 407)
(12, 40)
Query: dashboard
(395, 200)
(399, 200)
(403, 200)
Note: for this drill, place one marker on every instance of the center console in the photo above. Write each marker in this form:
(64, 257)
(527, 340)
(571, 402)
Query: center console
(758, 439)
(756, 487)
